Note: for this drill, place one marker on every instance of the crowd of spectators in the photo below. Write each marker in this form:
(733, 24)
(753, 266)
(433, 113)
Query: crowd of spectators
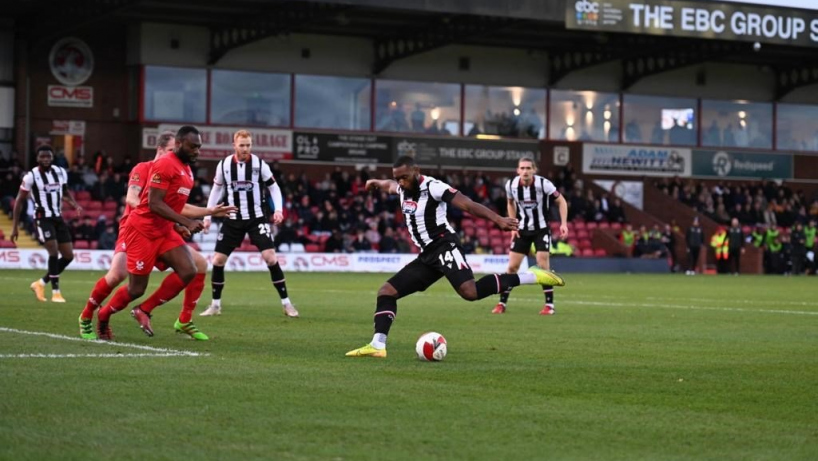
(752, 203)
(333, 211)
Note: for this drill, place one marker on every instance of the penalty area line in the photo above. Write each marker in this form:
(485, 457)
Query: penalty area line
(155, 351)
(94, 356)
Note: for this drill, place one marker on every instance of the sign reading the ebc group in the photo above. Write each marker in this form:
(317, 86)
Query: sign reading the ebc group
(725, 164)
(715, 20)
(467, 153)
(629, 160)
(217, 142)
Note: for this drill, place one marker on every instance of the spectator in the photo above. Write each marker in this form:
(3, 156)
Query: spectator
(335, 244)
(107, 239)
(361, 244)
(616, 212)
(388, 243)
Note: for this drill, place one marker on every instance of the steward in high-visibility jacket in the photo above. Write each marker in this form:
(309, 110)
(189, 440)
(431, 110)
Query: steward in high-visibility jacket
(758, 237)
(721, 245)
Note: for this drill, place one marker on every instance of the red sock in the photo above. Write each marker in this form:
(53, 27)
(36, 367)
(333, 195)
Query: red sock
(192, 294)
(118, 302)
(169, 289)
(98, 294)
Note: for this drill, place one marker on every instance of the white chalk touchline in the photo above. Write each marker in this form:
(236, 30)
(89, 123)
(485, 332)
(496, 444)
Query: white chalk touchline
(73, 356)
(157, 351)
(569, 301)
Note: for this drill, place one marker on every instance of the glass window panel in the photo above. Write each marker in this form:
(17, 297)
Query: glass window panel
(431, 108)
(584, 116)
(332, 102)
(175, 94)
(660, 120)
(737, 124)
(797, 128)
(249, 98)
(510, 111)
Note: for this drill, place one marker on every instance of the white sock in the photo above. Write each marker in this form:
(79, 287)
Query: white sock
(379, 341)
(217, 303)
(285, 301)
(55, 292)
(40, 281)
(527, 278)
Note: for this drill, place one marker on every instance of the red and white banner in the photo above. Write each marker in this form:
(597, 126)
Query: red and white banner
(70, 96)
(253, 262)
(217, 141)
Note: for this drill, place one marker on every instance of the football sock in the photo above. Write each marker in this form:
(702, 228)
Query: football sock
(548, 290)
(387, 308)
(53, 274)
(527, 278)
(496, 283)
(379, 341)
(118, 302)
(277, 276)
(169, 289)
(193, 292)
(217, 283)
(62, 264)
(98, 294)
(504, 296)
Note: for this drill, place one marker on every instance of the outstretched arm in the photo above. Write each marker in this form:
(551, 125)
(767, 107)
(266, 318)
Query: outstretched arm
(386, 185)
(220, 210)
(468, 205)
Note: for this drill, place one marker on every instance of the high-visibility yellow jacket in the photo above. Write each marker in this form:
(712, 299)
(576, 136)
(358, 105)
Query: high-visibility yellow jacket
(720, 243)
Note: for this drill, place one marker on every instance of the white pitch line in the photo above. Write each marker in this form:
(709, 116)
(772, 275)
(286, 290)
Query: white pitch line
(72, 356)
(158, 350)
(570, 301)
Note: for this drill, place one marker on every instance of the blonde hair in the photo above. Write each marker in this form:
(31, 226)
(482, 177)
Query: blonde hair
(242, 134)
(528, 159)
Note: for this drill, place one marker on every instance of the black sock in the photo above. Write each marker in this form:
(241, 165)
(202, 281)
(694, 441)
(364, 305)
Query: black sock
(54, 272)
(217, 281)
(62, 264)
(548, 290)
(385, 312)
(496, 283)
(277, 276)
(504, 296)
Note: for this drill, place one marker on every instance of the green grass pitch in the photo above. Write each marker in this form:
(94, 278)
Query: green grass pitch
(632, 367)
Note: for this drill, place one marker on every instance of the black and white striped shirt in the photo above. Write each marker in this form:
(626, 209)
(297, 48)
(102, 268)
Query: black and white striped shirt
(532, 201)
(46, 190)
(425, 211)
(244, 184)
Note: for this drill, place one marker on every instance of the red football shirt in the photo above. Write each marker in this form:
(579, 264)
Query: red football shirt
(139, 178)
(170, 174)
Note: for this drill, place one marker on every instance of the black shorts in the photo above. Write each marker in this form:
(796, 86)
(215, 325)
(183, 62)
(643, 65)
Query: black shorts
(442, 258)
(53, 228)
(541, 240)
(232, 233)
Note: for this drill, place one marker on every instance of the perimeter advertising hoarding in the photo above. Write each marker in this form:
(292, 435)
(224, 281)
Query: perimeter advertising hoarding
(724, 164)
(217, 142)
(466, 153)
(100, 260)
(632, 160)
(343, 148)
(712, 20)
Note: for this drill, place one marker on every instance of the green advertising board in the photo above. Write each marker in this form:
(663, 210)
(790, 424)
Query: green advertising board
(724, 164)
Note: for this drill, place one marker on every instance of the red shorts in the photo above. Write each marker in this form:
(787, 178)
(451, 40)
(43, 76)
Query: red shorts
(143, 253)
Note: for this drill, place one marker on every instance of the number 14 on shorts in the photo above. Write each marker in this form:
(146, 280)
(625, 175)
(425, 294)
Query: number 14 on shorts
(453, 257)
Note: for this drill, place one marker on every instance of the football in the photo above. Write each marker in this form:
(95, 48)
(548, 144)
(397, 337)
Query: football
(431, 347)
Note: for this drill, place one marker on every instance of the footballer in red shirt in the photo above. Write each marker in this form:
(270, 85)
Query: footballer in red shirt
(148, 236)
